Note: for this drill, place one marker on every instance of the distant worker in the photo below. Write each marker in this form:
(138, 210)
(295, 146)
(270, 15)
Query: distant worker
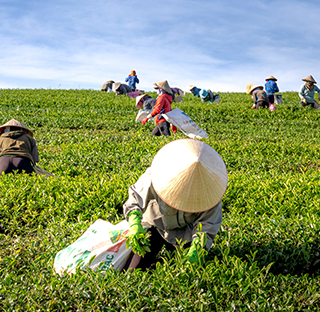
(259, 96)
(162, 106)
(132, 79)
(145, 101)
(271, 88)
(306, 92)
(207, 96)
(18, 149)
(121, 88)
(107, 86)
(194, 90)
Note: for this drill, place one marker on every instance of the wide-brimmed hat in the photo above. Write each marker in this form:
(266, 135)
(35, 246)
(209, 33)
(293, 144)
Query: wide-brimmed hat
(138, 98)
(309, 79)
(116, 86)
(250, 87)
(189, 175)
(15, 123)
(164, 85)
(271, 78)
(191, 87)
(203, 93)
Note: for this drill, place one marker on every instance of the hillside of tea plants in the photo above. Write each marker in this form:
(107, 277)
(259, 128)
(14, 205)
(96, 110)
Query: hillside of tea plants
(266, 256)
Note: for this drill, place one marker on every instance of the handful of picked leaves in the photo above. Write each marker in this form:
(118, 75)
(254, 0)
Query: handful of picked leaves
(139, 242)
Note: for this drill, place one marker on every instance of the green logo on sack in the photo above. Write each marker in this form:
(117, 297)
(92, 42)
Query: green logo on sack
(115, 235)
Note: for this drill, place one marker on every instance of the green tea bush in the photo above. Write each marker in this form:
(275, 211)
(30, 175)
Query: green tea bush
(265, 257)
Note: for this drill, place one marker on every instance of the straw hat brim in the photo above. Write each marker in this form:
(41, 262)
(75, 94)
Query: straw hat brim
(116, 86)
(272, 78)
(309, 79)
(164, 85)
(138, 98)
(250, 87)
(15, 123)
(189, 175)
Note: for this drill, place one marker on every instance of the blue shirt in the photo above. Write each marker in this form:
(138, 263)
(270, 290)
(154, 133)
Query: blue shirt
(132, 80)
(271, 87)
(195, 91)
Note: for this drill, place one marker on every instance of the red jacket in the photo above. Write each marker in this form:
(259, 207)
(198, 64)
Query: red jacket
(162, 106)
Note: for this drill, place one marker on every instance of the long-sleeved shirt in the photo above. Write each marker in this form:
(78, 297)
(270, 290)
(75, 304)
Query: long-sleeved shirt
(162, 106)
(209, 98)
(308, 95)
(271, 87)
(132, 80)
(123, 89)
(195, 91)
(259, 95)
(172, 224)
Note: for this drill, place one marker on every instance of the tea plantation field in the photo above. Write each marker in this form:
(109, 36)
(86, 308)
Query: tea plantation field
(266, 256)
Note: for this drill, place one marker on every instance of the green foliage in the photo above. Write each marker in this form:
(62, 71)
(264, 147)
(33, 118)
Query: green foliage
(265, 256)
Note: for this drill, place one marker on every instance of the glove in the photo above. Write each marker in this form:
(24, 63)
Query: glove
(304, 100)
(192, 255)
(174, 129)
(144, 120)
(135, 222)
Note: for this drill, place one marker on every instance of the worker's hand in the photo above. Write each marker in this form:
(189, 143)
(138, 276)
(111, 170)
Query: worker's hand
(144, 120)
(193, 253)
(174, 129)
(135, 222)
(304, 100)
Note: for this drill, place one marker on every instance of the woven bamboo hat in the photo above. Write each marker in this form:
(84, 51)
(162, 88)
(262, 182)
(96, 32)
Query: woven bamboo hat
(138, 98)
(164, 85)
(250, 87)
(189, 175)
(272, 78)
(116, 86)
(309, 79)
(16, 123)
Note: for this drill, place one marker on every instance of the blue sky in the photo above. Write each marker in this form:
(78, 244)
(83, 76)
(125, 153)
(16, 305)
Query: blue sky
(222, 45)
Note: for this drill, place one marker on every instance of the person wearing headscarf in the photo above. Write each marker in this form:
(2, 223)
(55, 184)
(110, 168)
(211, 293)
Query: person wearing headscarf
(162, 106)
(18, 149)
(183, 187)
(132, 79)
(145, 101)
(207, 95)
(259, 96)
(121, 88)
(194, 90)
(107, 86)
(307, 91)
(271, 88)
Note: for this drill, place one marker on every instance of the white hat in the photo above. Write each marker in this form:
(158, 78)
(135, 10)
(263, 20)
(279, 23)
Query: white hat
(189, 175)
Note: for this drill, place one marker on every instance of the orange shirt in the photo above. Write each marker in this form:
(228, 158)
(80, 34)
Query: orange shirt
(162, 106)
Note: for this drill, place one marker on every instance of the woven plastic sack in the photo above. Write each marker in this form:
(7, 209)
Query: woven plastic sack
(183, 122)
(103, 240)
(278, 99)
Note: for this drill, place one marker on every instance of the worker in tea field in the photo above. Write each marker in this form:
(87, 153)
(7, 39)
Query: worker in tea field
(121, 88)
(194, 90)
(145, 101)
(271, 88)
(306, 92)
(182, 188)
(107, 86)
(259, 96)
(132, 79)
(18, 149)
(162, 106)
(208, 96)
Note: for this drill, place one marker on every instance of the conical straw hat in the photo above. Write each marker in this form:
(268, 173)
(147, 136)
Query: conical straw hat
(271, 78)
(116, 86)
(164, 85)
(309, 79)
(250, 87)
(138, 98)
(15, 123)
(189, 175)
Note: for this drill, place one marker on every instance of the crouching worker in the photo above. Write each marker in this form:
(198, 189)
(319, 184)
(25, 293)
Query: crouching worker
(207, 96)
(307, 91)
(162, 106)
(259, 96)
(18, 149)
(182, 188)
(145, 101)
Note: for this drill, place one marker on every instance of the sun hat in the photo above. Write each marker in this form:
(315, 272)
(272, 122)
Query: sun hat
(15, 123)
(309, 79)
(116, 86)
(189, 175)
(191, 87)
(203, 93)
(164, 85)
(271, 78)
(250, 87)
(138, 98)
